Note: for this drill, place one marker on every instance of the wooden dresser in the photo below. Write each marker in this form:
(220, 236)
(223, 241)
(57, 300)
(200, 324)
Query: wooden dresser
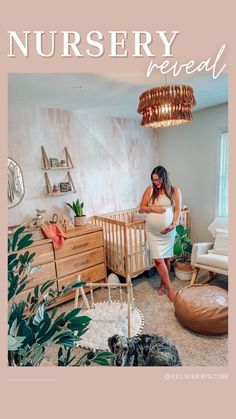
(82, 253)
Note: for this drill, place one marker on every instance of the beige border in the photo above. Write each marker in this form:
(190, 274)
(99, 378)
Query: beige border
(144, 391)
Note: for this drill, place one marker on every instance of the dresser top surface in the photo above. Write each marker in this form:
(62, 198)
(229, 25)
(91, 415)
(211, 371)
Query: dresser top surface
(77, 231)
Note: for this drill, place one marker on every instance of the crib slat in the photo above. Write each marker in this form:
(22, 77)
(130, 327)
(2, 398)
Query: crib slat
(113, 247)
(121, 250)
(141, 247)
(117, 247)
(136, 248)
(109, 243)
(126, 251)
(130, 249)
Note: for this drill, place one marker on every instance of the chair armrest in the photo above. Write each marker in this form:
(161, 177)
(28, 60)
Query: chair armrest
(200, 249)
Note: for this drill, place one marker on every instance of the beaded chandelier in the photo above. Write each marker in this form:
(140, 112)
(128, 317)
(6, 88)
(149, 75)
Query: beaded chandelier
(166, 106)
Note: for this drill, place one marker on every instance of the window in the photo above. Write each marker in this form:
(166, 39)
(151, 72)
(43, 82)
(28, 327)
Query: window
(223, 176)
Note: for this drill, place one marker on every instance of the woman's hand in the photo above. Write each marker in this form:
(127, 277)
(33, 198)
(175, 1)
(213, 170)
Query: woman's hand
(159, 209)
(168, 229)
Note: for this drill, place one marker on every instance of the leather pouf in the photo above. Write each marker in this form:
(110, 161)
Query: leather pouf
(203, 308)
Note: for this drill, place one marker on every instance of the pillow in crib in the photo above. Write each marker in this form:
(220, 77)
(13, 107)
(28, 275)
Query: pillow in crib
(138, 216)
(221, 242)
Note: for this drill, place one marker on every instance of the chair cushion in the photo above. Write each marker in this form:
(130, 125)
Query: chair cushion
(203, 309)
(218, 223)
(213, 260)
(220, 243)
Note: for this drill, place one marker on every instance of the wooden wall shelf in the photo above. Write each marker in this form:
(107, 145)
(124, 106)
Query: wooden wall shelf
(47, 167)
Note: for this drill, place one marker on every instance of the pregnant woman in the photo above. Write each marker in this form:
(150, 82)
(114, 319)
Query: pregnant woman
(162, 202)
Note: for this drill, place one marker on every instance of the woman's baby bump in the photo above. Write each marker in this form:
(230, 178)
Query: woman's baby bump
(158, 222)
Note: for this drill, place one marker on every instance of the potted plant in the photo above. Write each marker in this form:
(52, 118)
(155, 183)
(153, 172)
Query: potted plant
(182, 251)
(78, 208)
(32, 329)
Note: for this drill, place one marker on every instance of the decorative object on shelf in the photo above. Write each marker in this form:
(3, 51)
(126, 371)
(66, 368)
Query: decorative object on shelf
(38, 221)
(63, 163)
(16, 188)
(65, 186)
(166, 106)
(56, 188)
(54, 162)
(54, 219)
(67, 224)
(78, 208)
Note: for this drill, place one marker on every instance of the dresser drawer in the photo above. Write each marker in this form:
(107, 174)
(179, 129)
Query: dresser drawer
(79, 262)
(43, 253)
(96, 273)
(44, 274)
(79, 244)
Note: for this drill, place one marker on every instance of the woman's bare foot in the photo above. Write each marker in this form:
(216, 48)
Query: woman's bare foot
(162, 290)
(171, 294)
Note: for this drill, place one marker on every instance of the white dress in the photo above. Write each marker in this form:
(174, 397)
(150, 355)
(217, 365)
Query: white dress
(161, 245)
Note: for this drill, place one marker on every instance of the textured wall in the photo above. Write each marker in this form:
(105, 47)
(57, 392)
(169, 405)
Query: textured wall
(113, 159)
(191, 155)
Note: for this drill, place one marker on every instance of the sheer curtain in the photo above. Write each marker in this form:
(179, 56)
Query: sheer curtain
(223, 177)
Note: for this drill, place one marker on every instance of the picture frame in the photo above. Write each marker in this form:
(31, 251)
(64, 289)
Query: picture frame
(54, 162)
(65, 187)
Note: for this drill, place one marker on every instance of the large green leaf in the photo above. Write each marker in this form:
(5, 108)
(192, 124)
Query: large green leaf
(21, 287)
(180, 230)
(23, 258)
(16, 237)
(46, 285)
(15, 342)
(29, 336)
(44, 326)
(38, 355)
(39, 315)
(79, 323)
(13, 327)
(34, 269)
(12, 288)
(36, 291)
(72, 314)
(24, 242)
(178, 248)
(11, 257)
(13, 264)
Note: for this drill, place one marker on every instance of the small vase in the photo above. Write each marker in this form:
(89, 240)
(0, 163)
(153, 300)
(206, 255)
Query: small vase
(80, 221)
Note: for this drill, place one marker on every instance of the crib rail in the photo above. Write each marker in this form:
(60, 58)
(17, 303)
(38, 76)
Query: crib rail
(125, 245)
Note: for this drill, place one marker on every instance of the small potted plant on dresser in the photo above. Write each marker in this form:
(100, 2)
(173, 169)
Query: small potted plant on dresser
(182, 251)
(78, 208)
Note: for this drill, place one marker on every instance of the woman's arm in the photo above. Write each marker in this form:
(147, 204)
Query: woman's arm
(177, 210)
(178, 205)
(144, 207)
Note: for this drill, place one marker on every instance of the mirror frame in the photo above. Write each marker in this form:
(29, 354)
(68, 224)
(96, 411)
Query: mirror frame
(12, 206)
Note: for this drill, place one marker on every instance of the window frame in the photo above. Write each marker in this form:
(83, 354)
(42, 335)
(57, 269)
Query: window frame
(218, 159)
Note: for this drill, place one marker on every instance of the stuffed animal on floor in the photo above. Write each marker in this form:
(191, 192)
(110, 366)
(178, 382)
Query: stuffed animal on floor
(143, 350)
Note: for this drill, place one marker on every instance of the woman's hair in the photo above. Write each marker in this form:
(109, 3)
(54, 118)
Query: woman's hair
(166, 185)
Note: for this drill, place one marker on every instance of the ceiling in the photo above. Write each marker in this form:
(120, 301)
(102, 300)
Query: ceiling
(109, 95)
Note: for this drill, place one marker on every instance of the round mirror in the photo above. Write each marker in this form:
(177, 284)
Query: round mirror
(16, 189)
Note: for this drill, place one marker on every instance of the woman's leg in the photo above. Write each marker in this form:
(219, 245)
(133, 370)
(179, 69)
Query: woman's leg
(167, 262)
(164, 275)
(162, 288)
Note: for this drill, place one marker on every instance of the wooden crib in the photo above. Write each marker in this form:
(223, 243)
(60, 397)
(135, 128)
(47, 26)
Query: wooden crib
(127, 253)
